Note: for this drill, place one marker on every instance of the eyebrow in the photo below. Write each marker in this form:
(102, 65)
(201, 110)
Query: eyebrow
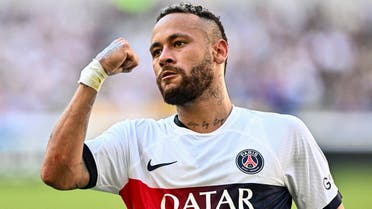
(169, 39)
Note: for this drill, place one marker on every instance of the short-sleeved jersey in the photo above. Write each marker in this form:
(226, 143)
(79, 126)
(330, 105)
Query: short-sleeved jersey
(254, 160)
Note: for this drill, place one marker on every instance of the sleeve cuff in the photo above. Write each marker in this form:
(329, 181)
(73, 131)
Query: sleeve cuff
(335, 202)
(91, 167)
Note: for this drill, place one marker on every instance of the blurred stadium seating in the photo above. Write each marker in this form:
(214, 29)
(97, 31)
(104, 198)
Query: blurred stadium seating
(308, 58)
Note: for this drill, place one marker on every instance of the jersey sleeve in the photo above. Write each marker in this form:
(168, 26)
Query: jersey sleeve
(308, 175)
(110, 152)
(90, 164)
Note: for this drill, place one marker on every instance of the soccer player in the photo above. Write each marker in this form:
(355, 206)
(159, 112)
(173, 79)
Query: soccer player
(209, 155)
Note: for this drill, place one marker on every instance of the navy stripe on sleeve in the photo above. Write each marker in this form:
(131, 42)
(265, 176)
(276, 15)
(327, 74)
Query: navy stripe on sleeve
(335, 202)
(91, 166)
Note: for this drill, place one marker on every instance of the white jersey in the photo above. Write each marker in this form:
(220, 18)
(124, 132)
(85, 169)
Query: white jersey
(254, 160)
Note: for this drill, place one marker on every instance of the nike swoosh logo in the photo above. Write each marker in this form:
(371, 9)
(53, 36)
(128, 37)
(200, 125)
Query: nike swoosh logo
(156, 166)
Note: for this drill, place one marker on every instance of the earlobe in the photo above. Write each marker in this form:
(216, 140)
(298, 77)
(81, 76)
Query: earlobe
(220, 51)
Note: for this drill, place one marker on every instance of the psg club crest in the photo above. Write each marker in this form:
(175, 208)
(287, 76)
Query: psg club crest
(249, 161)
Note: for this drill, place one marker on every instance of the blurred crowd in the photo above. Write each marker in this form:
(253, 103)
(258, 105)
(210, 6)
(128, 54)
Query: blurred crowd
(296, 55)
(285, 56)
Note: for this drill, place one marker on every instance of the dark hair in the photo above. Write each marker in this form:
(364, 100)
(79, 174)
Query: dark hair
(197, 10)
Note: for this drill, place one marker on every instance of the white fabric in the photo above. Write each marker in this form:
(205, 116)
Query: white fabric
(291, 156)
(93, 75)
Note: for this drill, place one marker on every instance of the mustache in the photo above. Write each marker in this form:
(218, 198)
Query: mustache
(170, 70)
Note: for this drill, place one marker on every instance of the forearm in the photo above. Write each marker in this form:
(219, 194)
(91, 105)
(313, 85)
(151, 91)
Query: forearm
(63, 167)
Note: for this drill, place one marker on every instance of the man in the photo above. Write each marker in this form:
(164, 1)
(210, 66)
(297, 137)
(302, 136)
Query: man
(211, 154)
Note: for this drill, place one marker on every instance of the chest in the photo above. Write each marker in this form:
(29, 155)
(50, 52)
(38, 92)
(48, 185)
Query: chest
(179, 161)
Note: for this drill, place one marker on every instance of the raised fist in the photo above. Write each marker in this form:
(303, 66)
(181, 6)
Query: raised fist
(118, 57)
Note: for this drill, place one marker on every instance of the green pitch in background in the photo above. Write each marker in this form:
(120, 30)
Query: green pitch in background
(353, 178)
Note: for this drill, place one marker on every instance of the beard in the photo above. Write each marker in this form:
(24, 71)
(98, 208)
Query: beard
(191, 87)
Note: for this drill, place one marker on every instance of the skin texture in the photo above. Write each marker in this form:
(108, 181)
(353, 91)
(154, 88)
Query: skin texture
(190, 87)
(181, 41)
(63, 167)
(187, 60)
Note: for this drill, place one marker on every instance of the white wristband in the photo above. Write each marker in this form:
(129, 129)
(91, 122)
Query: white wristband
(93, 75)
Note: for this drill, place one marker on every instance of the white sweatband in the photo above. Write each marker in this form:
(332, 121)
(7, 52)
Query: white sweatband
(93, 75)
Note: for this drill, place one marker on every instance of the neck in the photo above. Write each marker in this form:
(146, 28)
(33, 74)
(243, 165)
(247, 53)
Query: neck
(208, 112)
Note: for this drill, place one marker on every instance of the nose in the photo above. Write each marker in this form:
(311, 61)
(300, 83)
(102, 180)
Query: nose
(166, 57)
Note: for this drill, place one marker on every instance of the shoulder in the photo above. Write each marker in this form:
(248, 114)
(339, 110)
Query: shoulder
(270, 118)
(271, 126)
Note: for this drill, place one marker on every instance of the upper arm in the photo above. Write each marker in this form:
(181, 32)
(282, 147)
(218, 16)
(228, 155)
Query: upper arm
(83, 177)
(308, 175)
(66, 176)
(341, 206)
(108, 164)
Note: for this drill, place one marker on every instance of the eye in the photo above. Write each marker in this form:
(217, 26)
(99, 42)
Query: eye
(178, 44)
(156, 53)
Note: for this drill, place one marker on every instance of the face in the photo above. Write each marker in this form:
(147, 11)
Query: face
(182, 60)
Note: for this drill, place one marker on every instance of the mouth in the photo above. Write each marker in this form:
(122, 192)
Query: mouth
(167, 74)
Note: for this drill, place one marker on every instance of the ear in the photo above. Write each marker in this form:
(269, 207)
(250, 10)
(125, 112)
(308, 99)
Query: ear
(220, 51)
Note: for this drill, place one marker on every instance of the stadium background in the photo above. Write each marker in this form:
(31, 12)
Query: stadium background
(310, 58)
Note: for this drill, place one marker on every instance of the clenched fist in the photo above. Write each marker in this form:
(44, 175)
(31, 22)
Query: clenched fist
(118, 57)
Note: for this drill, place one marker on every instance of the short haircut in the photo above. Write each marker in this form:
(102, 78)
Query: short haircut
(199, 11)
